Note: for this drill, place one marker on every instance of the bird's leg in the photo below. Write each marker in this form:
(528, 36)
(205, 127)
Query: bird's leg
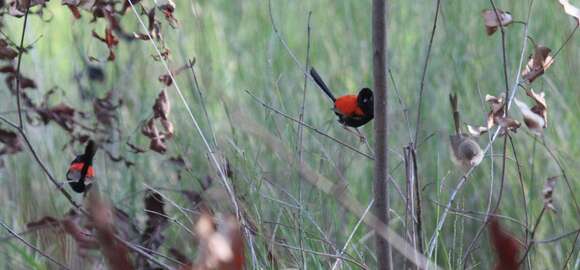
(361, 137)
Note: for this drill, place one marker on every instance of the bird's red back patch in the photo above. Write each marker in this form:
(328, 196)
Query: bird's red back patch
(348, 106)
(75, 170)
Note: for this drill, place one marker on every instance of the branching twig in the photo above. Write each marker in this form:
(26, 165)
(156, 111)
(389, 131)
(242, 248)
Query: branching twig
(62, 266)
(18, 75)
(424, 73)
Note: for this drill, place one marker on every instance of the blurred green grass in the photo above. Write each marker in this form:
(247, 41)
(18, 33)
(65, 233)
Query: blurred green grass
(236, 50)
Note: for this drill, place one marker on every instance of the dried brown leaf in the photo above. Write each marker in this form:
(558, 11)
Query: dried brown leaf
(548, 193)
(491, 21)
(7, 53)
(11, 142)
(168, 126)
(538, 64)
(158, 145)
(536, 118)
(162, 107)
(149, 129)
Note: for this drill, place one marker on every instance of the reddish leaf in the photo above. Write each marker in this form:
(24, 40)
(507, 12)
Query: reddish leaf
(506, 247)
(75, 11)
(110, 40)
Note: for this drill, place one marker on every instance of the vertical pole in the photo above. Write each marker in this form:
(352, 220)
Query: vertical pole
(379, 35)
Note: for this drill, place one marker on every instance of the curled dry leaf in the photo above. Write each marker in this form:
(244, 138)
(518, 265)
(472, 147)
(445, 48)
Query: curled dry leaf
(6, 52)
(536, 118)
(505, 246)
(168, 126)
(11, 142)
(162, 106)
(495, 117)
(538, 63)
(491, 21)
(570, 10)
(548, 193)
(161, 110)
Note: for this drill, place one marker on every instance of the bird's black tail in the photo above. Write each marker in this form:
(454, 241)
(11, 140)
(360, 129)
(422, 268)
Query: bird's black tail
(456, 120)
(321, 83)
(90, 151)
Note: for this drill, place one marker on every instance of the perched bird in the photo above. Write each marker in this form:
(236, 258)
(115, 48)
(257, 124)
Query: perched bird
(80, 173)
(466, 153)
(352, 110)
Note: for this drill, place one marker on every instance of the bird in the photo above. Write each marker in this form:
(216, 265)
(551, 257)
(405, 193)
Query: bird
(352, 110)
(466, 152)
(80, 172)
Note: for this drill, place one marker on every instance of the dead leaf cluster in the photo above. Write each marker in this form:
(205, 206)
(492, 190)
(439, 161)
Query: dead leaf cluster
(161, 110)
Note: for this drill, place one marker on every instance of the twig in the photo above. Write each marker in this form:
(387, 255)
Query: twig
(556, 238)
(300, 138)
(521, 181)
(503, 49)
(424, 72)
(571, 251)
(32, 246)
(18, 75)
(308, 126)
(533, 233)
(338, 263)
